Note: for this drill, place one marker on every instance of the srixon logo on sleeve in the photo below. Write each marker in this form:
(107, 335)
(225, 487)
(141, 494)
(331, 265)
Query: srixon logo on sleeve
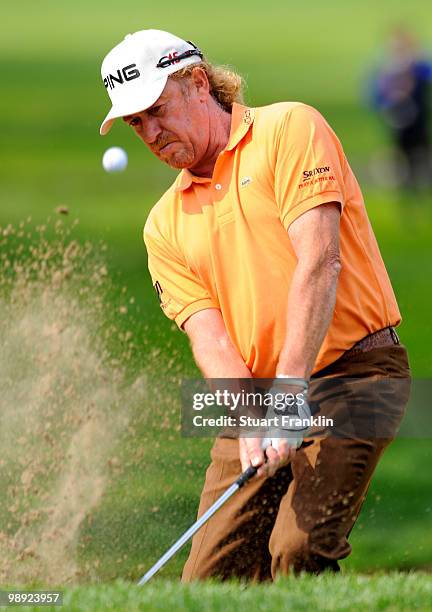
(316, 175)
(308, 174)
(123, 75)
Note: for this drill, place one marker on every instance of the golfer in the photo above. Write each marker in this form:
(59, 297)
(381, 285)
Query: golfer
(262, 253)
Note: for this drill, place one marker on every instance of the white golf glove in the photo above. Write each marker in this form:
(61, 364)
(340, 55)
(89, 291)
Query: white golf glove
(291, 409)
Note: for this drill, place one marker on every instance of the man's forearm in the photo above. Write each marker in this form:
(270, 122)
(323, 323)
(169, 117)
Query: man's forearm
(219, 359)
(214, 353)
(311, 304)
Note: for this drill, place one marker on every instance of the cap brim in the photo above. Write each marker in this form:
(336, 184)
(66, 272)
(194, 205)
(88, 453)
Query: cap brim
(141, 101)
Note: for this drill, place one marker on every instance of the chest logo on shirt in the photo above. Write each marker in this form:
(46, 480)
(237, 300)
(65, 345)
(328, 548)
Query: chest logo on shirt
(247, 117)
(245, 181)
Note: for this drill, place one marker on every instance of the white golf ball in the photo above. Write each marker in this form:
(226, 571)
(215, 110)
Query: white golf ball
(115, 159)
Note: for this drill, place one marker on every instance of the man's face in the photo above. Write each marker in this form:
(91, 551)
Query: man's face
(176, 127)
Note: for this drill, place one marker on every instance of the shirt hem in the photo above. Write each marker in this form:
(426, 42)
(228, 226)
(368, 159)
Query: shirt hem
(309, 203)
(192, 308)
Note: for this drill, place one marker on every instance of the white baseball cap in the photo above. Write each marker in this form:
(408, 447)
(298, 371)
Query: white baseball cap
(135, 72)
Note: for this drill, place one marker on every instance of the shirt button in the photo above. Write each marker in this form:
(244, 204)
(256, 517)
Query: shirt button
(218, 186)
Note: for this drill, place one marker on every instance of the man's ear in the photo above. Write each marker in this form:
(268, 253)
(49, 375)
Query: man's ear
(200, 81)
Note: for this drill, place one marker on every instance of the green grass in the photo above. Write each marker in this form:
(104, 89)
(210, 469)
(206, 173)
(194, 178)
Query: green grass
(395, 591)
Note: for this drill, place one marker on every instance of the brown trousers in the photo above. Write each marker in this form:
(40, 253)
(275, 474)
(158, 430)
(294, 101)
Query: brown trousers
(299, 519)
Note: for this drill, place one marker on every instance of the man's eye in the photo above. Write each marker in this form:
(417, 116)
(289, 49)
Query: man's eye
(134, 122)
(156, 110)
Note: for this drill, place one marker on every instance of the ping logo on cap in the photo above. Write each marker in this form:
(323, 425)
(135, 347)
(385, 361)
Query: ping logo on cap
(128, 73)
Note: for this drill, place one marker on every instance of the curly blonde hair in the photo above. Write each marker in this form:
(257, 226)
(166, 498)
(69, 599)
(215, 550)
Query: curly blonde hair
(226, 86)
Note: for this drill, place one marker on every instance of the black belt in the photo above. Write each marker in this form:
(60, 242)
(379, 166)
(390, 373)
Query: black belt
(378, 339)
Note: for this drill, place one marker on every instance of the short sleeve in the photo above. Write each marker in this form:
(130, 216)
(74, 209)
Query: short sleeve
(309, 164)
(179, 291)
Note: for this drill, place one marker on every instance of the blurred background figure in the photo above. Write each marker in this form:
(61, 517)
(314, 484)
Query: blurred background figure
(401, 93)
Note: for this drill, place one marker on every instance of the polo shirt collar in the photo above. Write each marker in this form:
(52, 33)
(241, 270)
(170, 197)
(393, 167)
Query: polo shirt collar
(186, 178)
(241, 119)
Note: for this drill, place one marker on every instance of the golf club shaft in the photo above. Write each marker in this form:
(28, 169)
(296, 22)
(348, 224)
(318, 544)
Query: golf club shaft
(241, 480)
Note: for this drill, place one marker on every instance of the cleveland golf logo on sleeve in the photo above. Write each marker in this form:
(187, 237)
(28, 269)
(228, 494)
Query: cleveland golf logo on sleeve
(165, 300)
(159, 291)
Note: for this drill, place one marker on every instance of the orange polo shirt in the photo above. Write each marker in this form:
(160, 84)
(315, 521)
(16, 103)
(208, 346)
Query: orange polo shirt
(223, 242)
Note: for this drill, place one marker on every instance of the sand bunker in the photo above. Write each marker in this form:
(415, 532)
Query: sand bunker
(64, 398)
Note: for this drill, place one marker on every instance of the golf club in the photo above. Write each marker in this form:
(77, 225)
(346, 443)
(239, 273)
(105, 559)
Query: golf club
(241, 480)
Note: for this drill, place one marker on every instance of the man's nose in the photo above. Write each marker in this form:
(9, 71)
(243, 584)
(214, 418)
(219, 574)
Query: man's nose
(150, 130)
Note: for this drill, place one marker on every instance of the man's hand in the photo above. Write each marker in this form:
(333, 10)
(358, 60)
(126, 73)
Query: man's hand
(291, 414)
(269, 459)
(290, 409)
